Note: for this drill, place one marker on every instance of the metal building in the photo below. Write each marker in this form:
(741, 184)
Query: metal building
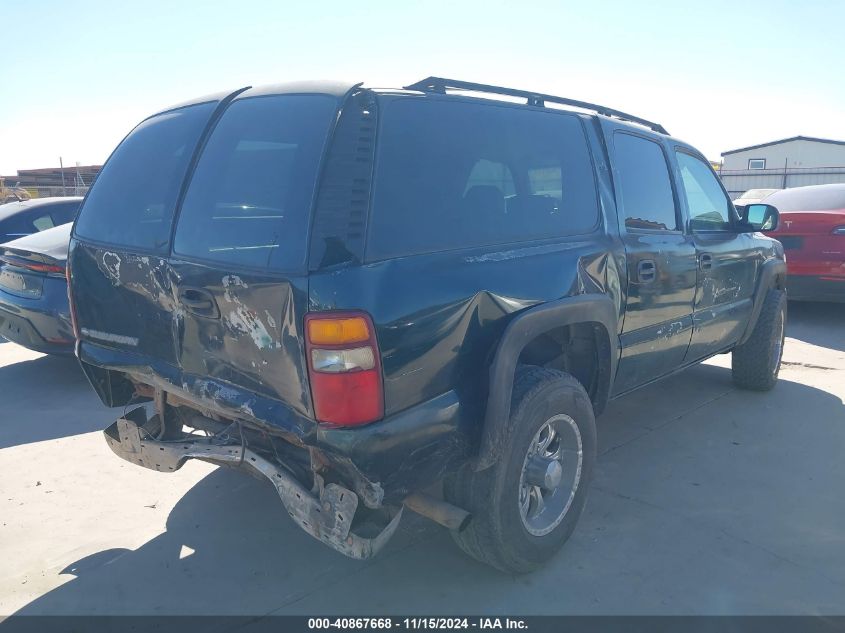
(54, 181)
(789, 162)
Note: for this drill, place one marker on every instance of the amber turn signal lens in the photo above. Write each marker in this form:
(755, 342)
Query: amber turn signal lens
(338, 331)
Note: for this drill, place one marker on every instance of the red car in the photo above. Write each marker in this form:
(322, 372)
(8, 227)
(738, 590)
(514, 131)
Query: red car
(812, 231)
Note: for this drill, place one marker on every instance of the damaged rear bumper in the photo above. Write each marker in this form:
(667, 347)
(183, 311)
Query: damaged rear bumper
(326, 513)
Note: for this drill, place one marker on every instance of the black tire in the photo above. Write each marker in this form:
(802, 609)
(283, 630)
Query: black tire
(498, 535)
(756, 362)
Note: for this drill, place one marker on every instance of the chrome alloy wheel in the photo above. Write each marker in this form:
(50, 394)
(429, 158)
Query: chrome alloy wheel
(550, 475)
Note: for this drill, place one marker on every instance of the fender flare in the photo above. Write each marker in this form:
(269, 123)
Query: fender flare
(770, 273)
(526, 326)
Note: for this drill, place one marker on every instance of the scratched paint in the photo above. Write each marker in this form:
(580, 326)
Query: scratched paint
(242, 319)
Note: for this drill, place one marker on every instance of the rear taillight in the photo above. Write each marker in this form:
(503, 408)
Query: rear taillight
(34, 266)
(71, 306)
(344, 368)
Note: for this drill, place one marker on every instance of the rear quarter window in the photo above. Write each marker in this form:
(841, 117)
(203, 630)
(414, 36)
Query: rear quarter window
(458, 174)
(134, 197)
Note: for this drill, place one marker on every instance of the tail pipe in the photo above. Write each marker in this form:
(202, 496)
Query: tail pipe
(441, 512)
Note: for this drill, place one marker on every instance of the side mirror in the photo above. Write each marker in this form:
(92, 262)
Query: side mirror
(759, 217)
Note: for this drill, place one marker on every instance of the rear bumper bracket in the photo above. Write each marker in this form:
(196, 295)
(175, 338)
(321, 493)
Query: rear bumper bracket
(327, 517)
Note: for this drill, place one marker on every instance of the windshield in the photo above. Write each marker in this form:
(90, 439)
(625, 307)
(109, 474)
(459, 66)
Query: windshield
(756, 194)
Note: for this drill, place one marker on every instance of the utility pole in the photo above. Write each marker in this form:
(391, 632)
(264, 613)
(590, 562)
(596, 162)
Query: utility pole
(62, 169)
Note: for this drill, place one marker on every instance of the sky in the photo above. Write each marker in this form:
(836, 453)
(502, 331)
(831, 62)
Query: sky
(77, 76)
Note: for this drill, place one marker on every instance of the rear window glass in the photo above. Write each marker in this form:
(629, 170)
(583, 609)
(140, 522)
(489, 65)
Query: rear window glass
(15, 227)
(454, 174)
(133, 199)
(64, 212)
(828, 198)
(250, 197)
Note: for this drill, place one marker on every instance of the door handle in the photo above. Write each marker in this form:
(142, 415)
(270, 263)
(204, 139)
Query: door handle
(199, 301)
(646, 270)
(705, 261)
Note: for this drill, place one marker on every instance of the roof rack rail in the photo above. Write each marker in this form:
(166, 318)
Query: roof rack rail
(439, 84)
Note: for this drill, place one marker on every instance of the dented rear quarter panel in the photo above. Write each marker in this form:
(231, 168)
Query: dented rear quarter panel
(439, 316)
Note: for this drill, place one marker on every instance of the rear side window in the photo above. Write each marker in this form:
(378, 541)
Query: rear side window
(643, 182)
(250, 197)
(454, 174)
(134, 197)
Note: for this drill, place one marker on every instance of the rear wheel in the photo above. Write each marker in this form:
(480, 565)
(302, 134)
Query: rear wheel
(526, 505)
(756, 362)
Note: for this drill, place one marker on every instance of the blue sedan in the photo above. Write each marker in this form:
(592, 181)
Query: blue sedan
(34, 308)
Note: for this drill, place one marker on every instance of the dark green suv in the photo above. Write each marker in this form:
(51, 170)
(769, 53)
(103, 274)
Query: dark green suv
(359, 293)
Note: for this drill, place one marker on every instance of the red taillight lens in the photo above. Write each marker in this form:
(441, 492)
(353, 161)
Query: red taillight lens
(34, 266)
(344, 368)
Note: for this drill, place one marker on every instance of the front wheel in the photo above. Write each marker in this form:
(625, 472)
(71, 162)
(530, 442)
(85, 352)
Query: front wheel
(756, 363)
(526, 505)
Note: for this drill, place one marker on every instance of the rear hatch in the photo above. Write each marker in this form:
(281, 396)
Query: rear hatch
(189, 256)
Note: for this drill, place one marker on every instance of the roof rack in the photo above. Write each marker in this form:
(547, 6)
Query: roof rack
(439, 84)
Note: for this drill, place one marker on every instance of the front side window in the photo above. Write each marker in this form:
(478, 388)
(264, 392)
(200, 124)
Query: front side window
(709, 207)
(134, 197)
(457, 174)
(644, 184)
(756, 163)
(249, 199)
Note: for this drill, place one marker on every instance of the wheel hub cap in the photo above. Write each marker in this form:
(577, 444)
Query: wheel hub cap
(543, 472)
(550, 475)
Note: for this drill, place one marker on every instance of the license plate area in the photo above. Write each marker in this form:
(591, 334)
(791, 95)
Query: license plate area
(21, 283)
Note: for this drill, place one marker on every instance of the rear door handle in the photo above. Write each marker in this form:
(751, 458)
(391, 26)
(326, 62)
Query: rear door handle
(199, 301)
(646, 270)
(705, 261)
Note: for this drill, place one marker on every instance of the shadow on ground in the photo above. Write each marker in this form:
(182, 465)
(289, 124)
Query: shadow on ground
(821, 324)
(700, 513)
(49, 397)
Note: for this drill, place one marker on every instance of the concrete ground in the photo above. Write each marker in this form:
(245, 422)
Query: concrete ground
(707, 500)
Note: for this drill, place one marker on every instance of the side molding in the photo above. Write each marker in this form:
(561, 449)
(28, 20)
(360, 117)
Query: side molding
(769, 274)
(520, 331)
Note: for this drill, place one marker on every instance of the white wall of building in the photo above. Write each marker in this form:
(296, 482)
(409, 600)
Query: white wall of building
(792, 163)
(800, 153)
